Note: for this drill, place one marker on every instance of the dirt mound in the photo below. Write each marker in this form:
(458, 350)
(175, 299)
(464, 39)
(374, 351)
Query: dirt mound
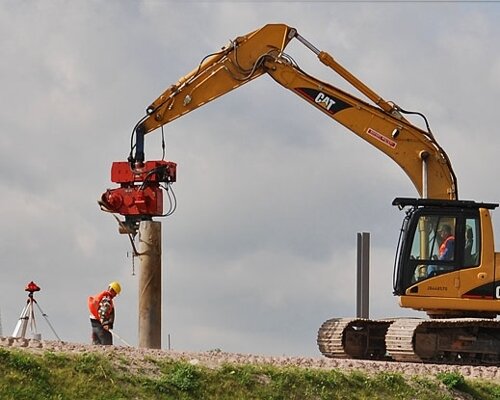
(216, 358)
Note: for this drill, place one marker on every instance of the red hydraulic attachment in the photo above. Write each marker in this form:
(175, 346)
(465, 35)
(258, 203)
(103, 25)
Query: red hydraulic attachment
(140, 195)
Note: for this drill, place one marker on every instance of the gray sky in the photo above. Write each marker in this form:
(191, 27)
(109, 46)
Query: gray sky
(271, 193)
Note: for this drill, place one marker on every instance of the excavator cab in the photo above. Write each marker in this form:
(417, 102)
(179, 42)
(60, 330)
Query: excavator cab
(434, 240)
(444, 252)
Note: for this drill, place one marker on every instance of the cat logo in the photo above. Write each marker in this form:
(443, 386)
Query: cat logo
(324, 100)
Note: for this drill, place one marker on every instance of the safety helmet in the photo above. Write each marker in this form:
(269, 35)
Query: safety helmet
(115, 286)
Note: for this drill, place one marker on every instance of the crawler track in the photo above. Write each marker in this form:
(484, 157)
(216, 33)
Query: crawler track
(452, 341)
(353, 338)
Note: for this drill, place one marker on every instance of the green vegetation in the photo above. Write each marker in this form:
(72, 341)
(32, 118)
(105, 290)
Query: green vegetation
(58, 376)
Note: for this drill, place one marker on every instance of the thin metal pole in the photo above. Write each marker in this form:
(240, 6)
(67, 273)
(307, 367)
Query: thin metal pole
(358, 275)
(363, 276)
(150, 278)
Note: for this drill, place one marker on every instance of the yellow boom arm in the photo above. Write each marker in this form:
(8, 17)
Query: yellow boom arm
(262, 51)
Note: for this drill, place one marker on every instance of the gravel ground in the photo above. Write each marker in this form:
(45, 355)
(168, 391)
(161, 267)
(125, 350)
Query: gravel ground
(213, 359)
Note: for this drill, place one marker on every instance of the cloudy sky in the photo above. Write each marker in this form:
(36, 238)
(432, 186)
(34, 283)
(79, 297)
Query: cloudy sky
(271, 192)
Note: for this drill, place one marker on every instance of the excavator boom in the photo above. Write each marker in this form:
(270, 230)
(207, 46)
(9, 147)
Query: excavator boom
(262, 51)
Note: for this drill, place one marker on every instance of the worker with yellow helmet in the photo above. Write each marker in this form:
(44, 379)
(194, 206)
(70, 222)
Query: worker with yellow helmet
(102, 314)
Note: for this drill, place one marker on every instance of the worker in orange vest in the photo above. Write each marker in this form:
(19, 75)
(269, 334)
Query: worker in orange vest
(102, 314)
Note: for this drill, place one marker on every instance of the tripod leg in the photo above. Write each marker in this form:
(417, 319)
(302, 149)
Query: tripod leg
(32, 320)
(48, 322)
(22, 323)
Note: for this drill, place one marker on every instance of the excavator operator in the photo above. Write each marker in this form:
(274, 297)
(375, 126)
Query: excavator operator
(447, 246)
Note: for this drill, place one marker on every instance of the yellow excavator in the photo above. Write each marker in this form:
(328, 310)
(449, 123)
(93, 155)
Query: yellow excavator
(446, 263)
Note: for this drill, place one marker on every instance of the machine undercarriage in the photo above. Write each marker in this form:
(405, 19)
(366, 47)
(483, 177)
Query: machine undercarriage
(454, 341)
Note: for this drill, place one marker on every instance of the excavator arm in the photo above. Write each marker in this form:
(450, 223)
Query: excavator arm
(262, 52)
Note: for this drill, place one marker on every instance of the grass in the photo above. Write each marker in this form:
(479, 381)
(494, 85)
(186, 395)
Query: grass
(51, 376)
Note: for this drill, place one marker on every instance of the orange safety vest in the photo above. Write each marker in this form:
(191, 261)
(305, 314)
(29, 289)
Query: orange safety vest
(94, 301)
(444, 245)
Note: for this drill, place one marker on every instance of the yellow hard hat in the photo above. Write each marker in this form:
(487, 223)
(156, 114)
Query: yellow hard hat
(115, 286)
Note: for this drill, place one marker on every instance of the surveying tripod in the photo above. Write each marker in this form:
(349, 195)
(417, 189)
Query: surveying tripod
(27, 316)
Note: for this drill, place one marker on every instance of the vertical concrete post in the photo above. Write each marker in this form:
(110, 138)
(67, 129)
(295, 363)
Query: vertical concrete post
(363, 276)
(150, 284)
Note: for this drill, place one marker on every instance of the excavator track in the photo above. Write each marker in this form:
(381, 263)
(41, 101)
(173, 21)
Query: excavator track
(453, 341)
(470, 341)
(353, 338)
(399, 340)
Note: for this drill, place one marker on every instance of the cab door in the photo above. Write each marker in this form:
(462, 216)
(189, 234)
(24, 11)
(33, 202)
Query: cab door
(438, 241)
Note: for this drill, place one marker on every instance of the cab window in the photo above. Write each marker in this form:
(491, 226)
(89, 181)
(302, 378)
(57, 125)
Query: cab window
(434, 238)
(472, 243)
(444, 243)
(434, 249)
